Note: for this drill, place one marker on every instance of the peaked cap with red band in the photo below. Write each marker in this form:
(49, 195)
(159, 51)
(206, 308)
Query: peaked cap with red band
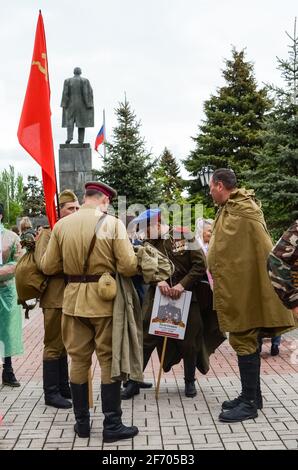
(101, 188)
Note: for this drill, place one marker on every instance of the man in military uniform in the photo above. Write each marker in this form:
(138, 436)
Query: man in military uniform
(283, 268)
(169, 312)
(55, 368)
(87, 316)
(202, 335)
(243, 296)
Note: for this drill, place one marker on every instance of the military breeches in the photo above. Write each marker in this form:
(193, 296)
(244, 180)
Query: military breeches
(53, 344)
(245, 342)
(82, 336)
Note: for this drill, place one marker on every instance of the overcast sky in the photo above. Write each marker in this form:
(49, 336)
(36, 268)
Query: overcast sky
(166, 54)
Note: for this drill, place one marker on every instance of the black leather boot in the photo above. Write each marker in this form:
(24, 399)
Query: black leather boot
(189, 377)
(141, 384)
(259, 398)
(190, 389)
(249, 367)
(8, 377)
(113, 428)
(63, 377)
(52, 393)
(274, 350)
(229, 404)
(132, 388)
(80, 401)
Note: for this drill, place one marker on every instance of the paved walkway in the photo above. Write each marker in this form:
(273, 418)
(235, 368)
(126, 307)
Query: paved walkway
(174, 422)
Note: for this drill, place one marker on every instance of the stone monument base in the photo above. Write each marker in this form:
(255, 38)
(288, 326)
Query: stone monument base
(75, 167)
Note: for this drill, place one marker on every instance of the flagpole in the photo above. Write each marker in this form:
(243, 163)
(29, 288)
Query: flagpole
(104, 134)
(57, 194)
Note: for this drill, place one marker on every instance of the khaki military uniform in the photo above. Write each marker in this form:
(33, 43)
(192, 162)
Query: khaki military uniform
(51, 304)
(244, 299)
(87, 319)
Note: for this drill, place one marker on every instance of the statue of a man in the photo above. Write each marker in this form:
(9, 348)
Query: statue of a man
(77, 104)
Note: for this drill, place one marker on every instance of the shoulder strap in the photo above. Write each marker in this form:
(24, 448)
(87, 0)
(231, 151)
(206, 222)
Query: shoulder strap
(99, 222)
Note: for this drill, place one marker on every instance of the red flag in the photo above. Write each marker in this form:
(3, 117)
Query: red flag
(35, 131)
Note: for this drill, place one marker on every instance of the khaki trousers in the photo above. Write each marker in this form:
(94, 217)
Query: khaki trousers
(245, 342)
(53, 344)
(82, 336)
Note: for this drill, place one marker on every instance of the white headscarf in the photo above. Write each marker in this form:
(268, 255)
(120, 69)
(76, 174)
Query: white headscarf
(200, 224)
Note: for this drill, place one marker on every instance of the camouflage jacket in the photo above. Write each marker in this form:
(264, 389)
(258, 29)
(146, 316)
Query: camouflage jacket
(283, 267)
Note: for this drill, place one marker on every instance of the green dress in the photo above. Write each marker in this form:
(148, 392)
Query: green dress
(11, 337)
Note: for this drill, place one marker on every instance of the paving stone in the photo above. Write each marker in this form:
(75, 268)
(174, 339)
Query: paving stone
(232, 446)
(269, 445)
(175, 422)
(247, 445)
(291, 444)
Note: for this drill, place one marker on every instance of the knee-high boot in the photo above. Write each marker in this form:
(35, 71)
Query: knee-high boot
(249, 367)
(63, 377)
(113, 428)
(52, 393)
(80, 401)
(229, 404)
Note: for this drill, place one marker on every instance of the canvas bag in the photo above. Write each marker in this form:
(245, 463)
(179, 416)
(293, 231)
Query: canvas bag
(107, 287)
(30, 282)
(154, 265)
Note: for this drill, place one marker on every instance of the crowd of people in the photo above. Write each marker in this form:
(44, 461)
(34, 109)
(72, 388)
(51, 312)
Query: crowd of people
(101, 283)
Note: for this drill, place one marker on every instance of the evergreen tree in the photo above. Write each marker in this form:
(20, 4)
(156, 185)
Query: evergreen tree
(11, 192)
(231, 133)
(33, 198)
(128, 167)
(276, 178)
(168, 177)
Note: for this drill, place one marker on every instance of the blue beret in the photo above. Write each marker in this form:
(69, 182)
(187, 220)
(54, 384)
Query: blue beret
(147, 215)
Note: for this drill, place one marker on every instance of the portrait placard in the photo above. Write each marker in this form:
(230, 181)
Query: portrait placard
(169, 316)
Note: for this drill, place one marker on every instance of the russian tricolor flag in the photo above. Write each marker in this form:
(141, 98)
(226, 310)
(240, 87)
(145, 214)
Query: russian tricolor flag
(100, 138)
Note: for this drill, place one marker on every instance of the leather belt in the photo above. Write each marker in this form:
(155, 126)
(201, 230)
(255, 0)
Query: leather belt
(82, 278)
(57, 276)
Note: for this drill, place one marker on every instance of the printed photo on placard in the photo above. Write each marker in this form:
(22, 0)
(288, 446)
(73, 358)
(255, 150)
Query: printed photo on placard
(169, 316)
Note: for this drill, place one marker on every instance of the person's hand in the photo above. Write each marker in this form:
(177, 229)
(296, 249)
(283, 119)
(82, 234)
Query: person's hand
(164, 288)
(176, 291)
(295, 312)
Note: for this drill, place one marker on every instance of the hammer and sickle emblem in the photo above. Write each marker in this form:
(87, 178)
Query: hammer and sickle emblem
(40, 67)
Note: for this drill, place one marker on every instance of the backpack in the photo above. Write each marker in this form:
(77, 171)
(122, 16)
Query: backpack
(30, 282)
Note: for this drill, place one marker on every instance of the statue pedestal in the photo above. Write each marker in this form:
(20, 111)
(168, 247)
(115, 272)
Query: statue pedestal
(75, 167)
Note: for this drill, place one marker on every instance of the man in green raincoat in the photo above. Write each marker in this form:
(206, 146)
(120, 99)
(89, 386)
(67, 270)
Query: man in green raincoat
(243, 296)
